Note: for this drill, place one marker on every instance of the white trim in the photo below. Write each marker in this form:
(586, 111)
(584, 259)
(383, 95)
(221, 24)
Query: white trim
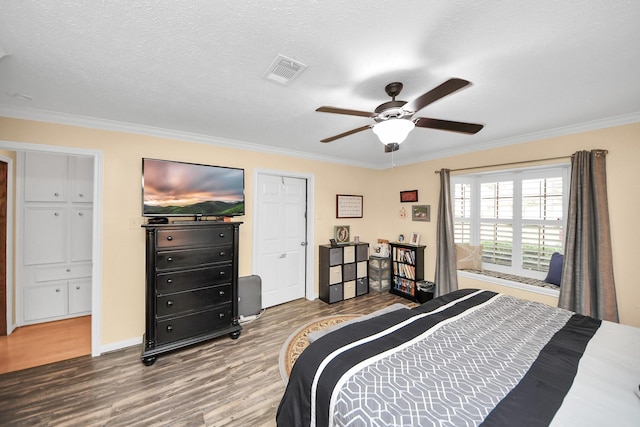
(310, 262)
(95, 123)
(510, 284)
(96, 279)
(114, 346)
(11, 325)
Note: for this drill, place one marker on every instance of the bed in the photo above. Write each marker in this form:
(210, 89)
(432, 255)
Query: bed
(468, 358)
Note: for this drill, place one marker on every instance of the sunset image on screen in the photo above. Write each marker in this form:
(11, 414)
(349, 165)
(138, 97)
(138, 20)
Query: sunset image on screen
(175, 188)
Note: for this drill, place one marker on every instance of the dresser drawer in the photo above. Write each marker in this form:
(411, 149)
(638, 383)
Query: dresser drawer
(200, 299)
(193, 257)
(185, 280)
(194, 237)
(192, 325)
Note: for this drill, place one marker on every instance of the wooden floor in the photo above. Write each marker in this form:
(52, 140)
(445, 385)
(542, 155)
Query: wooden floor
(223, 382)
(44, 343)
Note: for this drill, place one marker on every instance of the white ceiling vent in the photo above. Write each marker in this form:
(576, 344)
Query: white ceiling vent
(284, 70)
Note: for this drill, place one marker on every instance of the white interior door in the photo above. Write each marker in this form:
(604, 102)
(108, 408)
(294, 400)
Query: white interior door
(281, 238)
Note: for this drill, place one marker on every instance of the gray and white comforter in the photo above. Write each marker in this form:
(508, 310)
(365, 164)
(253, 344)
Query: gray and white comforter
(466, 359)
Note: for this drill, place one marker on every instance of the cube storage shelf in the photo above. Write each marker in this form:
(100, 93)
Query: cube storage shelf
(343, 271)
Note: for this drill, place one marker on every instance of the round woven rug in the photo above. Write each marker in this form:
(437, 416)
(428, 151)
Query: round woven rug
(298, 341)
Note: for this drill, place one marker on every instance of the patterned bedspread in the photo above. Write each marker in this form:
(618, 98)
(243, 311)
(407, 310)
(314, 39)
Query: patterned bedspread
(466, 359)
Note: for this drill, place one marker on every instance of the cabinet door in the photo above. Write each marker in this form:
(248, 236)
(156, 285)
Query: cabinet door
(45, 177)
(81, 234)
(80, 296)
(349, 254)
(41, 302)
(45, 231)
(81, 179)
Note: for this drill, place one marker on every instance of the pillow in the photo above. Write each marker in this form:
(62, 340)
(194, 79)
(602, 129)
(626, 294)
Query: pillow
(468, 257)
(555, 269)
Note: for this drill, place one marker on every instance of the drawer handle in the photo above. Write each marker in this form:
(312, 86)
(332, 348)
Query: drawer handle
(169, 303)
(169, 259)
(221, 315)
(222, 253)
(169, 237)
(221, 235)
(221, 293)
(169, 328)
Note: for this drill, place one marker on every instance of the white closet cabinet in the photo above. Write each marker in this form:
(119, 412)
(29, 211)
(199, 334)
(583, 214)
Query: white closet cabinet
(57, 214)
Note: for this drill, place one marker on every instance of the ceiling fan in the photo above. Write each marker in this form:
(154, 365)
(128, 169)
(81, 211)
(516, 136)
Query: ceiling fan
(393, 119)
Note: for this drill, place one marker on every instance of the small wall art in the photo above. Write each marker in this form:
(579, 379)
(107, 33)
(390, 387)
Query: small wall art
(348, 206)
(421, 212)
(409, 196)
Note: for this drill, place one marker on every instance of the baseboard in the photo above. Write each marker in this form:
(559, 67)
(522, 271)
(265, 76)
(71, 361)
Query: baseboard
(120, 345)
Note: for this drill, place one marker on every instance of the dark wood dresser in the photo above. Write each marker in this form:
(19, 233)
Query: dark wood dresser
(191, 285)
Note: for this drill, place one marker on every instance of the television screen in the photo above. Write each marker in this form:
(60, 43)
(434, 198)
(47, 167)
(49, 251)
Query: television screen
(187, 189)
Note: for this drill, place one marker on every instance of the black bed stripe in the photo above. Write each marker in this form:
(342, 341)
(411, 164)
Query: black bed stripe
(538, 396)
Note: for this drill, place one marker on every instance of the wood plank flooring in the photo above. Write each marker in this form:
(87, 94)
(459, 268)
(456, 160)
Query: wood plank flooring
(43, 343)
(223, 382)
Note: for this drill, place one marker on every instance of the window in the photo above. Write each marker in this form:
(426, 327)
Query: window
(518, 216)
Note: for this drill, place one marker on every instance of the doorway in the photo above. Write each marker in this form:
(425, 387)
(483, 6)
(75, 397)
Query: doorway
(96, 220)
(283, 235)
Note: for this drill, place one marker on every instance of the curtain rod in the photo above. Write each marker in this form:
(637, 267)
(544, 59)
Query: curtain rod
(508, 164)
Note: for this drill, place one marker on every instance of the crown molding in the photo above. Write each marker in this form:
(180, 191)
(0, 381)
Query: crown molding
(621, 120)
(116, 126)
(112, 125)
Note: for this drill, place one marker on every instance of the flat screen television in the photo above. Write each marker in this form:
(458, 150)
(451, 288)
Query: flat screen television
(171, 188)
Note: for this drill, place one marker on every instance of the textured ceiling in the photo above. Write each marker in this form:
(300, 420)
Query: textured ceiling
(193, 69)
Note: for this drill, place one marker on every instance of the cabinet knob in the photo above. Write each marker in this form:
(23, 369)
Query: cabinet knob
(169, 303)
(68, 270)
(221, 235)
(80, 195)
(56, 194)
(56, 214)
(169, 328)
(169, 281)
(80, 214)
(221, 315)
(57, 289)
(222, 253)
(78, 287)
(169, 259)
(169, 237)
(221, 273)
(221, 293)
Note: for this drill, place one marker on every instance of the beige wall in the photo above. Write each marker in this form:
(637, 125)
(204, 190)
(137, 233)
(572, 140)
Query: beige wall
(123, 240)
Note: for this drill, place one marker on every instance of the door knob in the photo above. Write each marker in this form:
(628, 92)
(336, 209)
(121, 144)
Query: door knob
(303, 243)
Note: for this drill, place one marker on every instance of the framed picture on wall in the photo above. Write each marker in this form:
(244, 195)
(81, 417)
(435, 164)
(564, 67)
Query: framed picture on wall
(421, 213)
(409, 196)
(348, 206)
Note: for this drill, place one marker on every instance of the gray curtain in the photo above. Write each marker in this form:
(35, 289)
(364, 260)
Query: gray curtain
(587, 285)
(446, 277)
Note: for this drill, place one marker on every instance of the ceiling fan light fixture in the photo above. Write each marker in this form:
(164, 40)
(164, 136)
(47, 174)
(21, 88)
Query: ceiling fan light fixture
(393, 130)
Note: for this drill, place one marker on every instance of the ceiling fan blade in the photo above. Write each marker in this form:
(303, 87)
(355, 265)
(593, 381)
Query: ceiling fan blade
(345, 111)
(342, 135)
(461, 127)
(434, 94)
